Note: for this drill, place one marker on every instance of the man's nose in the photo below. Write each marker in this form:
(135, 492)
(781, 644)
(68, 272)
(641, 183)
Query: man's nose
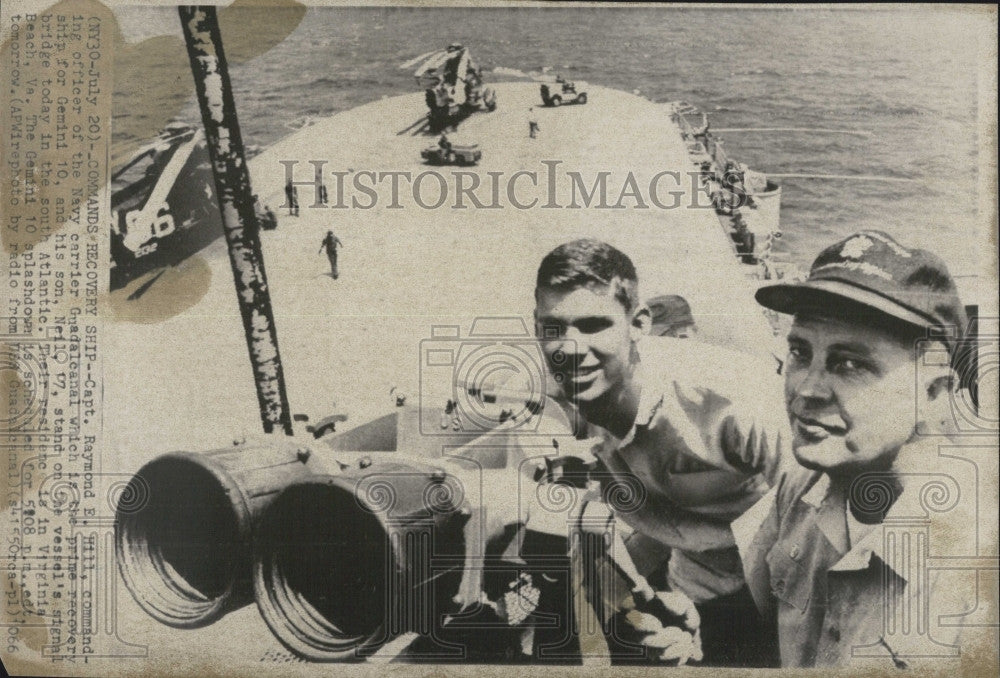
(563, 351)
(814, 385)
(574, 342)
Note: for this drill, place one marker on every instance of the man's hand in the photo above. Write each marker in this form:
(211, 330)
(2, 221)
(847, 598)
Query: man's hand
(571, 463)
(677, 639)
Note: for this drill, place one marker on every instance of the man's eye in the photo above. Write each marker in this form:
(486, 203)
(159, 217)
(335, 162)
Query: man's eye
(847, 367)
(592, 326)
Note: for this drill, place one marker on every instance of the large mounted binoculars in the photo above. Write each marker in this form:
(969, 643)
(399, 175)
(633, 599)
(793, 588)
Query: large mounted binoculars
(352, 540)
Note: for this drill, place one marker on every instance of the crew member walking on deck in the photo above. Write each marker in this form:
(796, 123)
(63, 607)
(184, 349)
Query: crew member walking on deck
(321, 188)
(292, 199)
(330, 244)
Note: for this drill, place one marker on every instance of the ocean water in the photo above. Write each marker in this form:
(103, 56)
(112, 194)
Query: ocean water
(896, 88)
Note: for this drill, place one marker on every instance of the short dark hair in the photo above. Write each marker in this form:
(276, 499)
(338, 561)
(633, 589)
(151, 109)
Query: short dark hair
(590, 263)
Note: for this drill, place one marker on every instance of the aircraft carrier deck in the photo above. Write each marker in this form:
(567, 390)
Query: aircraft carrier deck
(180, 354)
(177, 375)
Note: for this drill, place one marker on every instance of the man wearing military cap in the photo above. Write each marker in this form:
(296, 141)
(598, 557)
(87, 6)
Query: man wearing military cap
(671, 317)
(816, 553)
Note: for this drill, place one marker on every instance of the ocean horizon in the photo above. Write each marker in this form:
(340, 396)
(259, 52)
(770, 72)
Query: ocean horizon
(883, 101)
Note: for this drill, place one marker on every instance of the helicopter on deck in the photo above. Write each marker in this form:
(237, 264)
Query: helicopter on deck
(453, 86)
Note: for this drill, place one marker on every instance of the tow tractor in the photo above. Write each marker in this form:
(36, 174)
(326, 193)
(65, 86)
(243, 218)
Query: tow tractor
(452, 154)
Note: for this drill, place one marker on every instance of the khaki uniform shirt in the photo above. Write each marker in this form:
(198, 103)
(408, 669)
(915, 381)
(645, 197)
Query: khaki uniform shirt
(847, 594)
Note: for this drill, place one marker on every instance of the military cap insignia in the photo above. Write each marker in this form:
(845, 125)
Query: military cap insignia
(855, 248)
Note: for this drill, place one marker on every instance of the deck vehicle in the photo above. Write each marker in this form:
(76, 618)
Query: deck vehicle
(454, 154)
(563, 92)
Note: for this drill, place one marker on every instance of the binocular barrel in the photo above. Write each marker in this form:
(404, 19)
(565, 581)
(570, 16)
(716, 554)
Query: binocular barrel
(186, 555)
(341, 554)
(344, 563)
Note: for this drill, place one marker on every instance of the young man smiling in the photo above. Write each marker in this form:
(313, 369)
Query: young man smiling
(666, 408)
(830, 560)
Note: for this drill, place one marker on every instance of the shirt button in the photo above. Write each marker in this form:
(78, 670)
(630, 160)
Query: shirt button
(835, 634)
(795, 552)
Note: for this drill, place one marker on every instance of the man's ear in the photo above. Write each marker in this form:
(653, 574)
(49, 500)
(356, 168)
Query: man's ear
(937, 386)
(642, 322)
(937, 378)
(941, 385)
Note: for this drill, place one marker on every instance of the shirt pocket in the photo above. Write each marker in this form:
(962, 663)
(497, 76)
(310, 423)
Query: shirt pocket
(790, 582)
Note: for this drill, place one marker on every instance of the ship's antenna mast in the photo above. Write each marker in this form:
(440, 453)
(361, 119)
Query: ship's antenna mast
(239, 221)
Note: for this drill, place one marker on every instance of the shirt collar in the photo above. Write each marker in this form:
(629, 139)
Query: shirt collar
(649, 403)
(817, 493)
(913, 460)
(832, 520)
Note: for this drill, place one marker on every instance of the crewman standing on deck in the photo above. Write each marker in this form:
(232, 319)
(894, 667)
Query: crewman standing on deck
(292, 199)
(330, 244)
(532, 123)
